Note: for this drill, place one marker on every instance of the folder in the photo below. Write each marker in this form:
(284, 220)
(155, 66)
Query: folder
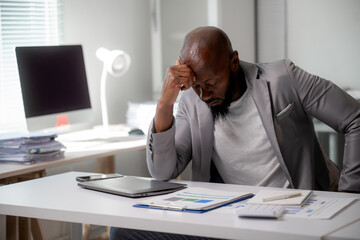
(193, 199)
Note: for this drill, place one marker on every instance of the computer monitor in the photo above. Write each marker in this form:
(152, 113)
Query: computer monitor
(54, 87)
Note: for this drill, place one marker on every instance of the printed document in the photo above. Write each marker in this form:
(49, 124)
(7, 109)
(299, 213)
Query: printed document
(193, 199)
(319, 207)
(316, 207)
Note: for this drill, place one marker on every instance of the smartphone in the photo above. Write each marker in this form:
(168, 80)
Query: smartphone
(97, 177)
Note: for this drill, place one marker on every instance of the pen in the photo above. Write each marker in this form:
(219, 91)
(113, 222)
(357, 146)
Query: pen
(282, 196)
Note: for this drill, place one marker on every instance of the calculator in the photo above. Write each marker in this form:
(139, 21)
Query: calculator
(260, 211)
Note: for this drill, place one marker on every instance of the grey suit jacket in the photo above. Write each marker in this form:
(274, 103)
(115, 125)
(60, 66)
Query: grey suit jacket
(287, 98)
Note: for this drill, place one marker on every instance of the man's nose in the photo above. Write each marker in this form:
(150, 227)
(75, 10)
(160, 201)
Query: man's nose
(205, 94)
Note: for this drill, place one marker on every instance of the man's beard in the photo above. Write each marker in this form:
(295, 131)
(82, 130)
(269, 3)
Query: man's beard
(219, 112)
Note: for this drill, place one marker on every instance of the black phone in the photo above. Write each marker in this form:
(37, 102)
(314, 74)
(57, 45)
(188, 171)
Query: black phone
(97, 177)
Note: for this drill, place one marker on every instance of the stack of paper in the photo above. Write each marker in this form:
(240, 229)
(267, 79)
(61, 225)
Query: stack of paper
(29, 148)
(140, 115)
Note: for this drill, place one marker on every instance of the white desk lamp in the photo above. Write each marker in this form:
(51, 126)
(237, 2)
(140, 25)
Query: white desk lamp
(116, 63)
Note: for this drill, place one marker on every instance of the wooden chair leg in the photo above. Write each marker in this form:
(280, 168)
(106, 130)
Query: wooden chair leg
(105, 164)
(103, 236)
(24, 228)
(36, 230)
(11, 228)
(86, 231)
(106, 235)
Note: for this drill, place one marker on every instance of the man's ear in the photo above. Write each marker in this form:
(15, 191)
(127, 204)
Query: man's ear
(234, 62)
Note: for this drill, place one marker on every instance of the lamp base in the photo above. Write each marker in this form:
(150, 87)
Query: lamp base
(112, 131)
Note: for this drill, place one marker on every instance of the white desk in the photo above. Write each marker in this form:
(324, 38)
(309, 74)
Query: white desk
(75, 153)
(59, 198)
(103, 151)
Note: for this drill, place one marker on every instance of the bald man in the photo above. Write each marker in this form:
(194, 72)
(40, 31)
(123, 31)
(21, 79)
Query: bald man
(250, 124)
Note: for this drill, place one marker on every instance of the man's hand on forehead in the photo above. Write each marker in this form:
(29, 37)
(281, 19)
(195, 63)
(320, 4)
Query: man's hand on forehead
(183, 85)
(178, 77)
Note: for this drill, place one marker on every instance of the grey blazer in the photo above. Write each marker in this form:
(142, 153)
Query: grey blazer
(287, 98)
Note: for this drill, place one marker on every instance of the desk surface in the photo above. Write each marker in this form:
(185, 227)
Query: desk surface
(76, 152)
(59, 198)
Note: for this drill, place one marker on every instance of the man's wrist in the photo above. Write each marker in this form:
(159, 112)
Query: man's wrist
(164, 117)
(164, 105)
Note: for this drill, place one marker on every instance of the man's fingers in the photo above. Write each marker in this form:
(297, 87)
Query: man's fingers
(183, 84)
(185, 79)
(180, 76)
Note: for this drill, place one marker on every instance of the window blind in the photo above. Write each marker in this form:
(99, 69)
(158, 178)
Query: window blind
(23, 23)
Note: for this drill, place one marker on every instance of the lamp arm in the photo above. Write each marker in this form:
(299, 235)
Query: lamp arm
(104, 111)
(116, 62)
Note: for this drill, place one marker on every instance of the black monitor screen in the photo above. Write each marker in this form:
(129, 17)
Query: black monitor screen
(53, 79)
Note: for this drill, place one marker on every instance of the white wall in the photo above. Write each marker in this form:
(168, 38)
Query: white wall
(324, 38)
(238, 21)
(271, 30)
(114, 24)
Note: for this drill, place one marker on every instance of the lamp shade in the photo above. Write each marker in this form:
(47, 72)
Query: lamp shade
(116, 62)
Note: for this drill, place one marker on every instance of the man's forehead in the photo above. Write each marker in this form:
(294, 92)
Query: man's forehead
(194, 53)
(202, 59)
